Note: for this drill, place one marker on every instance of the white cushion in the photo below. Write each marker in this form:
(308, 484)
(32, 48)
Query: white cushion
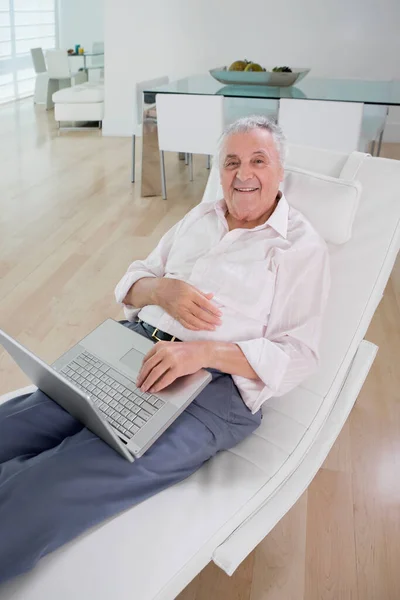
(86, 92)
(327, 162)
(330, 204)
(86, 111)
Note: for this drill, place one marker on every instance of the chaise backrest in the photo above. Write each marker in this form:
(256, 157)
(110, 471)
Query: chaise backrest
(360, 268)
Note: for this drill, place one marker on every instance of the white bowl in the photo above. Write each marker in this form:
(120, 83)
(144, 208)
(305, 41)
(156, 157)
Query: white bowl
(271, 78)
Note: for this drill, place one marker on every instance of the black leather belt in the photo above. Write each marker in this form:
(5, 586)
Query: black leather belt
(157, 334)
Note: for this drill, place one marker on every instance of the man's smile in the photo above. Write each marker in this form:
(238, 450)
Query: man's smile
(245, 190)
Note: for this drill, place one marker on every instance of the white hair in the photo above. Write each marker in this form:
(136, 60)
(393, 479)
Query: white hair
(246, 124)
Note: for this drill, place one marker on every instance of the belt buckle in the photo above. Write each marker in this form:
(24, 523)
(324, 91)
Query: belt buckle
(153, 335)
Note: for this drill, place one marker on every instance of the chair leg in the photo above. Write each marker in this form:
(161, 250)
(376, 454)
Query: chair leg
(191, 166)
(378, 152)
(133, 159)
(186, 158)
(52, 86)
(163, 182)
(208, 161)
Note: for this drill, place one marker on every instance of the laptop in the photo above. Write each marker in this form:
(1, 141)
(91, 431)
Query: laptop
(95, 382)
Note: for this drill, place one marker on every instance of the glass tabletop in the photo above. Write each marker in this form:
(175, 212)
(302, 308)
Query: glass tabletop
(339, 90)
(87, 54)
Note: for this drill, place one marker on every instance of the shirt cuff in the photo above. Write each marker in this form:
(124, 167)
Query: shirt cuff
(253, 392)
(127, 282)
(268, 360)
(123, 288)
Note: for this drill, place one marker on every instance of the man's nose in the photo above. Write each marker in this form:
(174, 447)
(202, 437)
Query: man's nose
(245, 172)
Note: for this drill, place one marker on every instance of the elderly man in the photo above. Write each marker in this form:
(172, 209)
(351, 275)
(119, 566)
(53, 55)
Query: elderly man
(238, 287)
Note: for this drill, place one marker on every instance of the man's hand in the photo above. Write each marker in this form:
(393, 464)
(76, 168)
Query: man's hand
(192, 308)
(185, 303)
(167, 361)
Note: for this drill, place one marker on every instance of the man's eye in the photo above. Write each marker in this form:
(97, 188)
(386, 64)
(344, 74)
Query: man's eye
(231, 164)
(259, 161)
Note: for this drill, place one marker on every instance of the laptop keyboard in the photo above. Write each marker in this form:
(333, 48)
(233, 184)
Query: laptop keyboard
(125, 409)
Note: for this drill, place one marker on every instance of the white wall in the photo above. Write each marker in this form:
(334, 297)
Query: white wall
(80, 22)
(336, 38)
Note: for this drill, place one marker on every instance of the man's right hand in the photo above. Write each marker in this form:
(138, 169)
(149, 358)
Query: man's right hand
(192, 308)
(185, 303)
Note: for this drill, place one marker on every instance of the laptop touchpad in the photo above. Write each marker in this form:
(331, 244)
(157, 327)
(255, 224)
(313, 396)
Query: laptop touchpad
(133, 359)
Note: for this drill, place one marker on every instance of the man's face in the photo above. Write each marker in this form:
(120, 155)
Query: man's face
(250, 174)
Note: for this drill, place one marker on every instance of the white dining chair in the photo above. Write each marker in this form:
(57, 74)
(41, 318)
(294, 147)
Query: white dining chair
(42, 78)
(60, 75)
(146, 107)
(372, 128)
(322, 124)
(236, 108)
(147, 104)
(190, 124)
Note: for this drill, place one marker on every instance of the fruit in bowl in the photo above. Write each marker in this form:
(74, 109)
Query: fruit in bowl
(245, 72)
(245, 65)
(254, 67)
(248, 65)
(238, 65)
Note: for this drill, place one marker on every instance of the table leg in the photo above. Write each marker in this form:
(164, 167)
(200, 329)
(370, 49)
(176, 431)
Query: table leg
(191, 166)
(382, 132)
(378, 153)
(133, 158)
(151, 169)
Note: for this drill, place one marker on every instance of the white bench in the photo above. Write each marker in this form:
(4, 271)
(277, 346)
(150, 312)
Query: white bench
(84, 102)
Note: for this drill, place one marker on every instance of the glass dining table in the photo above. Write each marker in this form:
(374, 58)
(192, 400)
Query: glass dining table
(85, 56)
(386, 93)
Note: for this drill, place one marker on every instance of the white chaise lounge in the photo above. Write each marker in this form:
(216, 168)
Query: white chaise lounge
(154, 550)
(84, 102)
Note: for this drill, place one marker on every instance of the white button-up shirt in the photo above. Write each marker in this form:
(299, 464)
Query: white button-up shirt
(270, 282)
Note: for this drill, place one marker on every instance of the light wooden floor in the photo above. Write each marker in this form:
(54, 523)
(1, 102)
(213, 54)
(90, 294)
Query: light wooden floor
(70, 222)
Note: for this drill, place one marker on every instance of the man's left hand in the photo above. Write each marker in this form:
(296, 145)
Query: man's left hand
(167, 361)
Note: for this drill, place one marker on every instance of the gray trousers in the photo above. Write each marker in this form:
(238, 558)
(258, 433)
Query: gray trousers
(58, 479)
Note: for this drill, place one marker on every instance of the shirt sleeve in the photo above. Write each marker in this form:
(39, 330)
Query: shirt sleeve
(152, 266)
(288, 353)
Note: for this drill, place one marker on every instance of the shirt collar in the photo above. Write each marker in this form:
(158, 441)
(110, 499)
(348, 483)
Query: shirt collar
(278, 220)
